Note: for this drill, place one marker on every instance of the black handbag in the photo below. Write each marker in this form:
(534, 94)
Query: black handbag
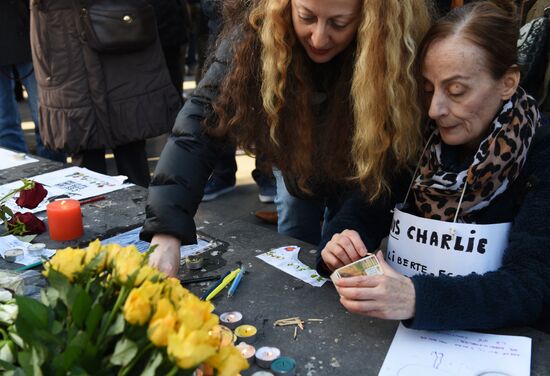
(118, 26)
(533, 52)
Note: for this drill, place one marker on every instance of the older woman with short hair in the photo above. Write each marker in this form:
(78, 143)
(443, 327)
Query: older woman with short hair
(469, 247)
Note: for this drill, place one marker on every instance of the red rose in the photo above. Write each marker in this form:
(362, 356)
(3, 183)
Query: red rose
(32, 225)
(30, 198)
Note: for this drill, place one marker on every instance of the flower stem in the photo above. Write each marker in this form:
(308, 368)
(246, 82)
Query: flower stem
(121, 298)
(173, 371)
(130, 365)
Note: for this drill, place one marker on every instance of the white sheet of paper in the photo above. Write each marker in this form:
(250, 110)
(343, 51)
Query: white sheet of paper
(10, 242)
(286, 259)
(76, 182)
(132, 237)
(9, 159)
(456, 353)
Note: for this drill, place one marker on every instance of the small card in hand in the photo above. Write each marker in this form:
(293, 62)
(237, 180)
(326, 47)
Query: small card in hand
(366, 266)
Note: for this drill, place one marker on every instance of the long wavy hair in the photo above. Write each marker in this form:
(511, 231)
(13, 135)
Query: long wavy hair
(370, 124)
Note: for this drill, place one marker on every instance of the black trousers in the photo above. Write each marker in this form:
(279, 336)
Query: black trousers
(130, 159)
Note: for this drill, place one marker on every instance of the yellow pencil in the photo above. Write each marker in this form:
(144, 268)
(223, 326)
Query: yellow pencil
(224, 283)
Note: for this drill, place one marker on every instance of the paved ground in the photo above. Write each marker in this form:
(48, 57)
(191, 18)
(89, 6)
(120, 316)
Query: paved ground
(240, 203)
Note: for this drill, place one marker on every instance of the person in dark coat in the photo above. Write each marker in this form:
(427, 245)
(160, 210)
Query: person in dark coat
(290, 80)
(173, 33)
(485, 167)
(16, 66)
(92, 99)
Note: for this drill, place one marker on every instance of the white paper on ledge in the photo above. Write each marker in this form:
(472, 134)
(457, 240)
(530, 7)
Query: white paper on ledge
(9, 159)
(76, 182)
(11, 242)
(286, 259)
(456, 353)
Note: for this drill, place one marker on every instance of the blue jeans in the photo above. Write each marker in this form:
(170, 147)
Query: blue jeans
(301, 218)
(11, 134)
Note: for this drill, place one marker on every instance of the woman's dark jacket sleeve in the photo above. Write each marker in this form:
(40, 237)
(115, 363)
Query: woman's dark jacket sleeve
(186, 161)
(516, 294)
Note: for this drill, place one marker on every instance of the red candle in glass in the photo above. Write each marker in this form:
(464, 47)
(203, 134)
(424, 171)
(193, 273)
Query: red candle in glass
(64, 220)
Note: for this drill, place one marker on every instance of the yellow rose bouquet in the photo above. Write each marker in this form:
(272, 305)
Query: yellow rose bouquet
(106, 312)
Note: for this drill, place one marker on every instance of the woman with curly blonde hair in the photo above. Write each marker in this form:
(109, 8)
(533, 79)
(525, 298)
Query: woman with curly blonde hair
(325, 89)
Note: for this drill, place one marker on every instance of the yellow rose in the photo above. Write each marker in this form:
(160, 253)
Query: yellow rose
(174, 291)
(148, 273)
(67, 261)
(162, 323)
(93, 250)
(195, 314)
(190, 348)
(126, 261)
(228, 361)
(138, 306)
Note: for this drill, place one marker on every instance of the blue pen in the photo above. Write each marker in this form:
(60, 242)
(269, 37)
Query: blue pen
(236, 282)
(214, 285)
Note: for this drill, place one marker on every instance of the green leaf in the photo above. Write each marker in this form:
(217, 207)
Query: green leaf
(24, 359)
(6, 366)
(32, 316)
(49, 296)
(57, 327)
(81, 307)
(93, 319)
(152, 364)
(71, 355)
(37, 359)
(59, 282)
(117, 327)
(125, 350)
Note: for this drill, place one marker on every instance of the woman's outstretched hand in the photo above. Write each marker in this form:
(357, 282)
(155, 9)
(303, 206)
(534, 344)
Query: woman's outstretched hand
(166, 256)
(344, 248)
(388, 296)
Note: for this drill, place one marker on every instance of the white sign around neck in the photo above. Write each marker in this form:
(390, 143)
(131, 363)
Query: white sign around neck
(419, 245)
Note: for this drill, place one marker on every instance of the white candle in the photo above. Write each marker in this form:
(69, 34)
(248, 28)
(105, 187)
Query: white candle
(231, 319)
(247, 350)
(266, 355)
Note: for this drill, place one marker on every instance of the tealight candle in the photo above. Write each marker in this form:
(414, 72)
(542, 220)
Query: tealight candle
(247, 350)
(284, 366)
(231, 319)
(64, 220)
(262, 373)
(246, 333)
(266, 355)
(222, 334)
(193, 263)
(11, 254)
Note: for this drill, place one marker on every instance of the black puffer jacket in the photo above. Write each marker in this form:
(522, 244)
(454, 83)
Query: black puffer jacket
(15, 44)
(516, 294)
(186, 161)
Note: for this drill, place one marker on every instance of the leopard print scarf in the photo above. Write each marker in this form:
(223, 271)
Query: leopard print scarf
(495, 165)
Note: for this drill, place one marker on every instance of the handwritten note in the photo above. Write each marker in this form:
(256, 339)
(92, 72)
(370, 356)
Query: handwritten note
(460, 353)
(286, 259)
(9, 159)
(73, 182)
